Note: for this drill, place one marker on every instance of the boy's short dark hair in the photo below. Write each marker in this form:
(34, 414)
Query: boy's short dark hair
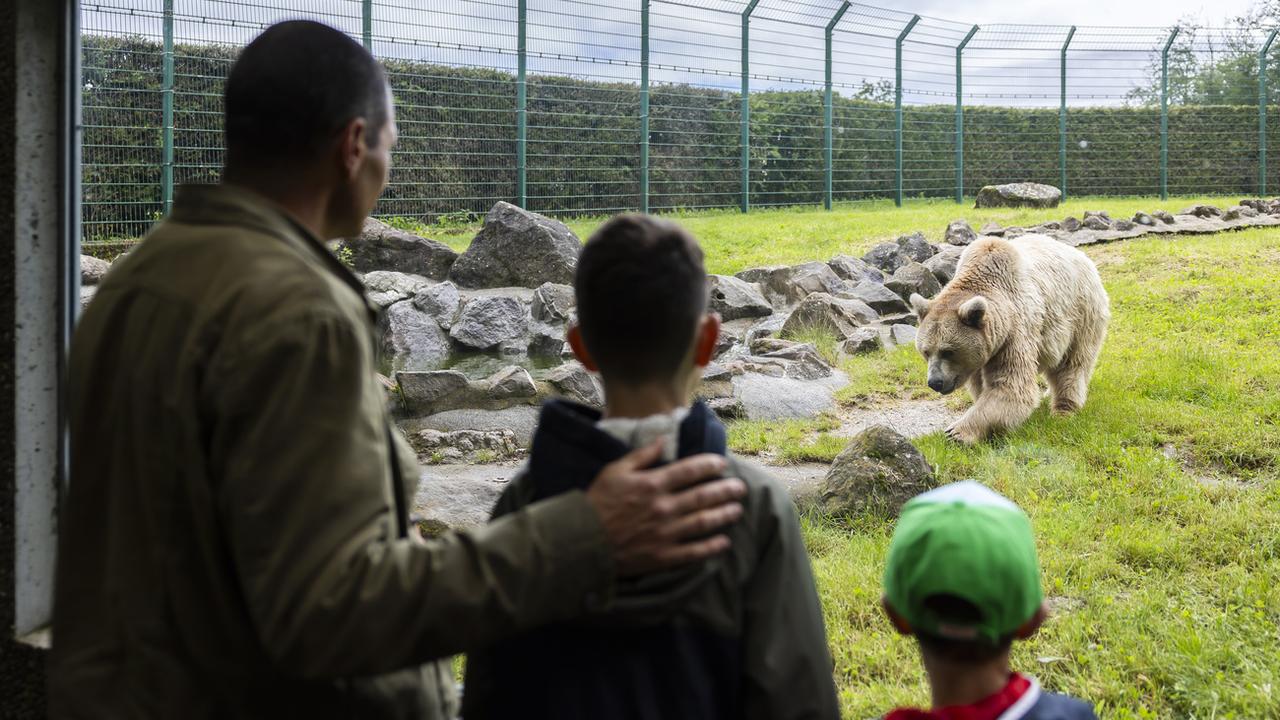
(641, 289)
(958, 610)
(293, 87)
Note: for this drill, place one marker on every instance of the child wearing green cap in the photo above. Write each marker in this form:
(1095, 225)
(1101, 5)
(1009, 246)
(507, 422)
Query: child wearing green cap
(963, 578)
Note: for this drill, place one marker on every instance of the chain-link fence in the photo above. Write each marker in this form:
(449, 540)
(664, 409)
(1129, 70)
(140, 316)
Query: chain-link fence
(588, 107)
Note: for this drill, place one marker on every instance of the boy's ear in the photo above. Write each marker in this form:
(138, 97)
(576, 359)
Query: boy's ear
(1030, 627)
(708, 337)
(580, 348)
(899, 623)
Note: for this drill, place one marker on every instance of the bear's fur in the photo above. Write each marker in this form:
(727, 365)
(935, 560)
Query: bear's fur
(1015, 308)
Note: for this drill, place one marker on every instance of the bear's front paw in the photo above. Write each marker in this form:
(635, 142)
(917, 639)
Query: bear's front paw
(963, 434)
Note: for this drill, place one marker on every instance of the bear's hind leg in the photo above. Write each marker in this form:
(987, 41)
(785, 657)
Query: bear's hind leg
(1069, 382)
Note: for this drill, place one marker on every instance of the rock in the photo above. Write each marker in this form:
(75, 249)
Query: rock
(991, 229)
(1033, 195)
(511, 382)
(1164, 216)
(412, 338)
(441, 301)
(1245, 211)
(760, 274)
(1095, 222)
(520, 420)
(776, 347)
(386, 288)
(876, 474)
(486, 322)
(727, 408)
(914, 278)
(500, 443)
(915, 246)
(1122, 225)
(1231, 213)
(793, 283)
(518, 248)
(960, 233)
(1202, 211)
(1070, 224)
(1013, 232)
(92, 270)
(1051, 225)
(553, 302)
(768, 327)
(863, 340)
(943, 265)
(546, 340)
(735, 299)
(382, 247)
(878, 297)
(428, 392)
(809, 365)
(840, 316)
(572, 381)
(855, 270)
(776, 398)
(1098, 213)
(1141, 218)
(902, 334)
(886, 256)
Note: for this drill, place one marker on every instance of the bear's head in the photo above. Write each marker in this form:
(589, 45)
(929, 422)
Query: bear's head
(952, 338)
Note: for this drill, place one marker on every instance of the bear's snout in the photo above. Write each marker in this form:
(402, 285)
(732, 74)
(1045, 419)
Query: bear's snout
(939, 385)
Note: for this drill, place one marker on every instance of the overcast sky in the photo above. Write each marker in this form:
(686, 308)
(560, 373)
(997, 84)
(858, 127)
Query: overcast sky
(1157, 13)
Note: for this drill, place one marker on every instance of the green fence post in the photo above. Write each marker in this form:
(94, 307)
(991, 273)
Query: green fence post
(644, 106)
(897, 107)
(1062, 116)
(1164, 115)
(1262, 111)
(366, 24)
(828, 152)
(166, 132)
(522, 103)
(746, 105)
(960, 115)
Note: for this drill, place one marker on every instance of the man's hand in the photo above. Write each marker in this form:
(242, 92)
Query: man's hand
(652, 517)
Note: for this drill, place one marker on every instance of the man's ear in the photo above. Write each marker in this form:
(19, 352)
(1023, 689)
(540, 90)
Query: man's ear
(580, 349)
(920, 305)
(708, 337)
(973, 311)
(353, 146)
(899, 623)
(1030, 627)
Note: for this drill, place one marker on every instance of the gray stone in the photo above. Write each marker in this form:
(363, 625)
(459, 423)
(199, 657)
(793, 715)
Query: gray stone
(902, 334)
(727, 408)
(839, 316)
(943, 265)
(1033, 195)
(572, 381)
(386, 287)
(790, 284)
(518, 248)
(991, 229)
(960, 233)
(768, 327)
(92, 270)
(914, 278)
(1123, 225)
(428, 392)
(1246, 211)
(511, 382)
(806, 364)
(458, 496)
(552, 303)
(1094, 222)
(1231, 213)
(1013, 232)
(520, 420)
(1051, 225)
(1098, 213)
(412, 339)
(916, 247)
(1164, 216)
(875, 475)
(1071, 224)
(760, 274)
(1202, 211)
(546, 340)
(864, 340)
(441, 301)
(878, 297)
(1141, 218)
(382, 247)
(486, 322)
(855, 270)
(886, 256)
(776, 398)
(501, 443)
(735, 299)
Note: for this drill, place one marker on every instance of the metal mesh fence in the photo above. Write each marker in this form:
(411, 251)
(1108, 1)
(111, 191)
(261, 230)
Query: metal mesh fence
(591, 107)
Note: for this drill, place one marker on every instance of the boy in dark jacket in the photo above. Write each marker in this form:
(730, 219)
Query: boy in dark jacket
(739, 636)
(963, 578)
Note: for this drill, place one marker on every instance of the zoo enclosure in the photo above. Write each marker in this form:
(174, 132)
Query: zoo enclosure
(583, 107)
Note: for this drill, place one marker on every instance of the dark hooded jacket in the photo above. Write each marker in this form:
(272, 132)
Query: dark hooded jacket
(738, 636)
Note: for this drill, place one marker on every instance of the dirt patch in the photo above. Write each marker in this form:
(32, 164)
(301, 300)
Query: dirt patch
(1210, 475)
(911, 418)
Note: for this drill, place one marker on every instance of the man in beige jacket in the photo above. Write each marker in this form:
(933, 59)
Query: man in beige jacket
(235, 540)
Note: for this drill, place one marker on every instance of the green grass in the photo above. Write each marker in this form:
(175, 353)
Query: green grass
(1172, 585)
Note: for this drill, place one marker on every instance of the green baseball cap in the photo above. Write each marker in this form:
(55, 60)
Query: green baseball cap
(967, 541)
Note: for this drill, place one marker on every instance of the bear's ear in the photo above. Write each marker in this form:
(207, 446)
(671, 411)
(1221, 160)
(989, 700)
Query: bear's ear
(973, 311)
(919, 305)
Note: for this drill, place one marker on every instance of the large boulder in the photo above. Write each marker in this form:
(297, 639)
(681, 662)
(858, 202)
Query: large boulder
(916, 247)
(876, 474)
(413, 339)
(1034, 195)
(388, 287)
(518, 248)
(509, 383)
(855, 270)
(864, 340)
(735, 299)
(553, 303)
(793, 283)
(820, 311)
(429, 392)
(572, 381)
(878, 298)
(959, 233)
(943, 265)
(764, 397)
(913, 278)
(382, 247)
(486, 322)
(887, 257)
(441, 301)
(92, 270)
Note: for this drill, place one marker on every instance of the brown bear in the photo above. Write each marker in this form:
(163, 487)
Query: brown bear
(1015, 308)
